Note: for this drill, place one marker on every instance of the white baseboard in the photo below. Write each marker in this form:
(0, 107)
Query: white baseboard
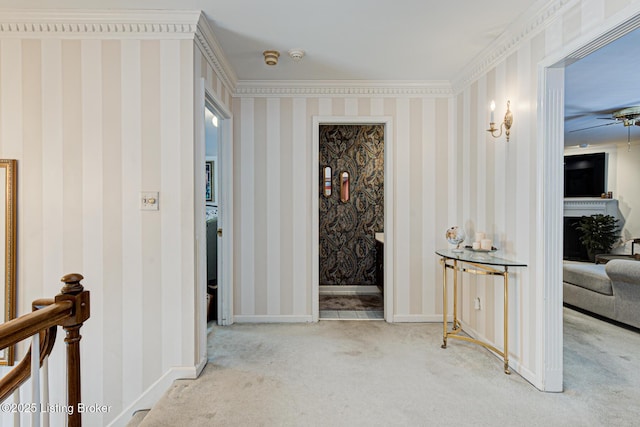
(349, 290)
(420, 318)
(200, 366)
(151, 395)
(514, 364)
(253, 318)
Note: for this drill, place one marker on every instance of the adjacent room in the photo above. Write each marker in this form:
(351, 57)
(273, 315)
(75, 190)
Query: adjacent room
(601, 171)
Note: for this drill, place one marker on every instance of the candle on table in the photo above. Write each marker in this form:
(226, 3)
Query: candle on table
(485, 244)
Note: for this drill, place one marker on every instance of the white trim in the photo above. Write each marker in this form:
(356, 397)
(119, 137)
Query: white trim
(199, 229)
(549, 224)
(422, 318)
(514, 363)
(550, 197)
(152, 395)
(225, 209)
(256, 318)
(103, 24)
(208, 44)
(616, 26)
(532, 22)
(389, 203)
(585, 206)
(342, 88)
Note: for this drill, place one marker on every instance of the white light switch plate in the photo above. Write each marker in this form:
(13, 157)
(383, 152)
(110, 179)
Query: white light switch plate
(149, 201)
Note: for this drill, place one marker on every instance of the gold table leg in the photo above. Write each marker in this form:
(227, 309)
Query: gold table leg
(443, 261)
(506, 321)
(456, 327)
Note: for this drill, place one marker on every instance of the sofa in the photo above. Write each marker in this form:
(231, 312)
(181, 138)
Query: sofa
(611, 290)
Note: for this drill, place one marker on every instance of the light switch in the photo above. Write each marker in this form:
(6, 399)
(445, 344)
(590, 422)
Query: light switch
(149, 201)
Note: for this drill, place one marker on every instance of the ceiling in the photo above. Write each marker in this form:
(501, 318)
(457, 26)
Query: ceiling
(407, 40)
(596, 86)
(343, 39)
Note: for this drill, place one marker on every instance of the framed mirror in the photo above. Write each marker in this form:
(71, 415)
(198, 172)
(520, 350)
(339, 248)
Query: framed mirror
(344, 186)
(8, 249)
(326, 182)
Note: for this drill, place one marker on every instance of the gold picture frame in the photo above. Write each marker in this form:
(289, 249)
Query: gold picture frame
(8, 250)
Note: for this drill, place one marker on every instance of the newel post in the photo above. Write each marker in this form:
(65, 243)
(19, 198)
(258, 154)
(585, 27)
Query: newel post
(74, 291)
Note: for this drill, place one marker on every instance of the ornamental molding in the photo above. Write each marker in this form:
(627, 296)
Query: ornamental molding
(130, 24)
(341, 88)
(532, 22)
(212, 51)
(576, 207)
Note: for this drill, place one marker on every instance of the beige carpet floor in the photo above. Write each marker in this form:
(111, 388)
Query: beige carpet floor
(365, 302)
(349, 373)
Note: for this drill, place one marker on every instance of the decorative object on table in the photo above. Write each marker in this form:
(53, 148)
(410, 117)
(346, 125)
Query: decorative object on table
(598, 233)
(482, 244)
(455, 235)
(479, 249)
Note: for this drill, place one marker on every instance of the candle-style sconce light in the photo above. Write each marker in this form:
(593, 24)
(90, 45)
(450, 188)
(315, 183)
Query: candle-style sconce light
(344, 186)
(326, 181)
(506, 123)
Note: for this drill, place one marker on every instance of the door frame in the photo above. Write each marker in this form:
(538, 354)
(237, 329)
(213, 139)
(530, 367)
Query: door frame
(225, 215)
(550, 203)
(389, 222)
(224, 175)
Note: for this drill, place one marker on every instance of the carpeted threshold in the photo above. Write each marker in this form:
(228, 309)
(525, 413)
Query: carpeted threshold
(368, 302)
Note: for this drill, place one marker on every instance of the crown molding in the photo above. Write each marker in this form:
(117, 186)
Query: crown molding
(212, 51)
(341, 88)
(104, 24)
(539, 16)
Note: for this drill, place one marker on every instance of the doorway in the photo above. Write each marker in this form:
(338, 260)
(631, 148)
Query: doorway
(351, 221)
(212, 129)
(550, 173)
(385, 262)
(214, 214)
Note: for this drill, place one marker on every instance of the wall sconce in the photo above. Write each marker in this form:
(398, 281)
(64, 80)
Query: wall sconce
(506, 123)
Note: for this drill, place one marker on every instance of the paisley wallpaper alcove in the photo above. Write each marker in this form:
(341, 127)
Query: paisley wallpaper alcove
(347, 243)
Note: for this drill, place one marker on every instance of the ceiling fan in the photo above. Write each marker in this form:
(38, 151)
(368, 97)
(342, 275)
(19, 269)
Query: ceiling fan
(629, 116)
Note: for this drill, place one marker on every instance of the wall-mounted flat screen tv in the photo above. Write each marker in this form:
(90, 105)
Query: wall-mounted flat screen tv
(585, 175)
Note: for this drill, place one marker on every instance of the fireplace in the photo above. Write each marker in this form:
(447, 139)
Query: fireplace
(574, 209)
(572, 248)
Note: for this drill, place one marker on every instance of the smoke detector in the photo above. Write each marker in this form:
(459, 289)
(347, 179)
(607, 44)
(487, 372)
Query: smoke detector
(271, 57)
(296, 54)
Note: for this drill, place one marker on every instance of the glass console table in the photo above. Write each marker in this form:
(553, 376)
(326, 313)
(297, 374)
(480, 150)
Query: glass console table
(480, 263)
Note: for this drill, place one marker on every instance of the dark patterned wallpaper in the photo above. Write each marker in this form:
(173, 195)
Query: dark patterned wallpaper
(347, 243)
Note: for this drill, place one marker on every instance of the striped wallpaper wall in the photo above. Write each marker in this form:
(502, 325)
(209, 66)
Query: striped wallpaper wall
(275, 189)
(499, 187)
(92, 123)
(447, 171)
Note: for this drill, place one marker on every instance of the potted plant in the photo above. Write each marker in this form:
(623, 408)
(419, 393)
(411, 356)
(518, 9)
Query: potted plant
(599, 233)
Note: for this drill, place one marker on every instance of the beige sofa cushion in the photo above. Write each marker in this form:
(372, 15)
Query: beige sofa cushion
(588, 276)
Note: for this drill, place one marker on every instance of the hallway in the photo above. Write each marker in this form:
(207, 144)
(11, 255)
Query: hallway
(376, 373)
